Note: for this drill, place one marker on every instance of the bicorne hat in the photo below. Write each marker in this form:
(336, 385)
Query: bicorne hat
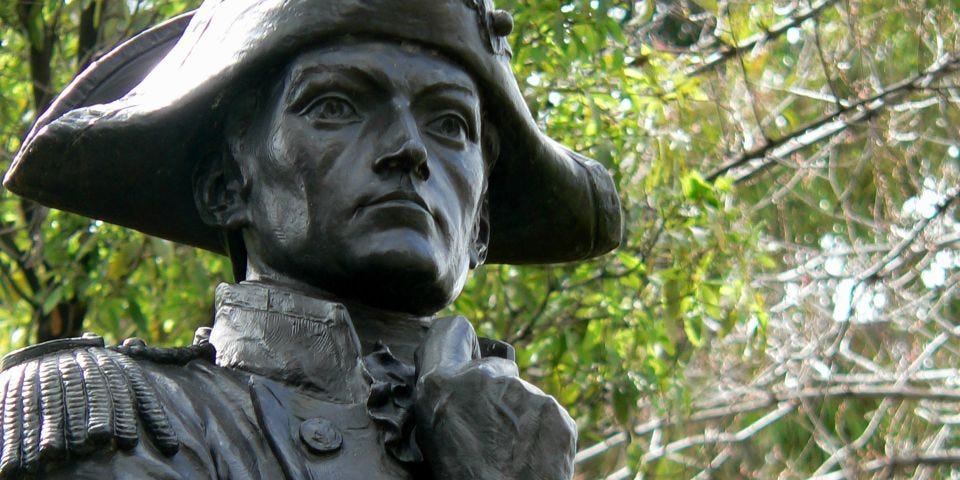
(123, 140)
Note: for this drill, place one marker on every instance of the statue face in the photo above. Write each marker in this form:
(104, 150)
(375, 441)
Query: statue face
(366, 176)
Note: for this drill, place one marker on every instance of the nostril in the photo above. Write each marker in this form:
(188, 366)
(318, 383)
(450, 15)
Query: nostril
(423, 171)
(411, 158)
(388, 163)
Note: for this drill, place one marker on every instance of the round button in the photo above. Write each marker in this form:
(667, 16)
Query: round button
(501, 22)
(320, 436)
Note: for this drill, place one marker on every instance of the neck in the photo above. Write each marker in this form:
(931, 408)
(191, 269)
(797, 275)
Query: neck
(401, 332)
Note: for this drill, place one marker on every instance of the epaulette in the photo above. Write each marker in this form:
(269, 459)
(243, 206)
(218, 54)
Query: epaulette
(68, 398)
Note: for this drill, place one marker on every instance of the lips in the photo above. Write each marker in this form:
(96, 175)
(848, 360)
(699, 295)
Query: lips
(399, 198)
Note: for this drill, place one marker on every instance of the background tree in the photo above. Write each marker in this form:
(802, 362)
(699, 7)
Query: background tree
(62, 274)
(784, 303)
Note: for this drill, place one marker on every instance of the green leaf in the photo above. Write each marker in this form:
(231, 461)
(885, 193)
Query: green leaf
(139, 319)
(52, 299)
(624, 405)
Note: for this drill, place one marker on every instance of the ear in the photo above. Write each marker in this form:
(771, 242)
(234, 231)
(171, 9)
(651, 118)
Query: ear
(481, 235)
(220, 192)
(490, 143)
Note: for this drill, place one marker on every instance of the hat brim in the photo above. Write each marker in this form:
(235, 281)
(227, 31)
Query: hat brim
(121, 143)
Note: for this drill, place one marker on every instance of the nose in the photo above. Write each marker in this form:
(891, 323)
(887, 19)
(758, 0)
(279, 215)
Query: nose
(404, 150)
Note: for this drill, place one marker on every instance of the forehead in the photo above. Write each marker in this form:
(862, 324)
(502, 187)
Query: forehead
(383, 63)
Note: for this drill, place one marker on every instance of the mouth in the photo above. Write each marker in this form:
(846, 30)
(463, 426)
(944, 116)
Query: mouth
(399, 198)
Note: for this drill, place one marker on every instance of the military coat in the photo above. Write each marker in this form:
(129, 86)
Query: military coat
(278, 389)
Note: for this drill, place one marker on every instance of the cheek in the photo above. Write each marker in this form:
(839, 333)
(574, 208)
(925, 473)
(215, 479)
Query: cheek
(279, 212)
(468, 181)
(329, 179)
(463, 186)
(309, 154)
(279, 194)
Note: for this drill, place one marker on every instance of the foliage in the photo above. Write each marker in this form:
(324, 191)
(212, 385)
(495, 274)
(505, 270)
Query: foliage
(784, 301)
(61, 274)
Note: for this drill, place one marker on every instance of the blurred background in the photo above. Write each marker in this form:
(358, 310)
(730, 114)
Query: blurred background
(784, 304)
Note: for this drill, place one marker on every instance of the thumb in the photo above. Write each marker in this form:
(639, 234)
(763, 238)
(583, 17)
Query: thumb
(450, 344)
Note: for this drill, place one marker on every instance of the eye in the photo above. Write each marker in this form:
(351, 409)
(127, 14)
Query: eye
(330, 110)
(449, 126)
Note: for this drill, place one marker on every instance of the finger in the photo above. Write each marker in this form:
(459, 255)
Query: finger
(450, 344)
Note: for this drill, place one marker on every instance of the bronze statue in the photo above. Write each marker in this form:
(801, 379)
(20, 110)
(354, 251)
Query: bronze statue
(355, 159)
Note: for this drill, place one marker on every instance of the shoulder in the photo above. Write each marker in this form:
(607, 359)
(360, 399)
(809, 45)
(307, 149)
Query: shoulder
(73, 397)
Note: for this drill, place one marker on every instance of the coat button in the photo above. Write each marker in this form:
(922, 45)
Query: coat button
(320, 436)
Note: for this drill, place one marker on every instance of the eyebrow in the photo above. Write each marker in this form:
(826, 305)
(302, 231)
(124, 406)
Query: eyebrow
(351, 73)
(441, 87)
(445, 87)
(376, 79)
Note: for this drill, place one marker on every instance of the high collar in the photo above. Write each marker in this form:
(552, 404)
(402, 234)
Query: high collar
(290, 337)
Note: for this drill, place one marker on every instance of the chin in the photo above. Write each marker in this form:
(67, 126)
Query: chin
(401, 291)
(404, 282)
(409, 286)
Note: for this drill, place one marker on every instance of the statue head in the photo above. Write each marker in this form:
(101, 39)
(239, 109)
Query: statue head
(358, 169)
(375, 150)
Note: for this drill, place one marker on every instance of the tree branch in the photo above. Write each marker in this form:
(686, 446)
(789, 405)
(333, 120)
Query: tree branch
(725, 437)
(830, 124)
(600, 448)
(727, 52)
(890, 464)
